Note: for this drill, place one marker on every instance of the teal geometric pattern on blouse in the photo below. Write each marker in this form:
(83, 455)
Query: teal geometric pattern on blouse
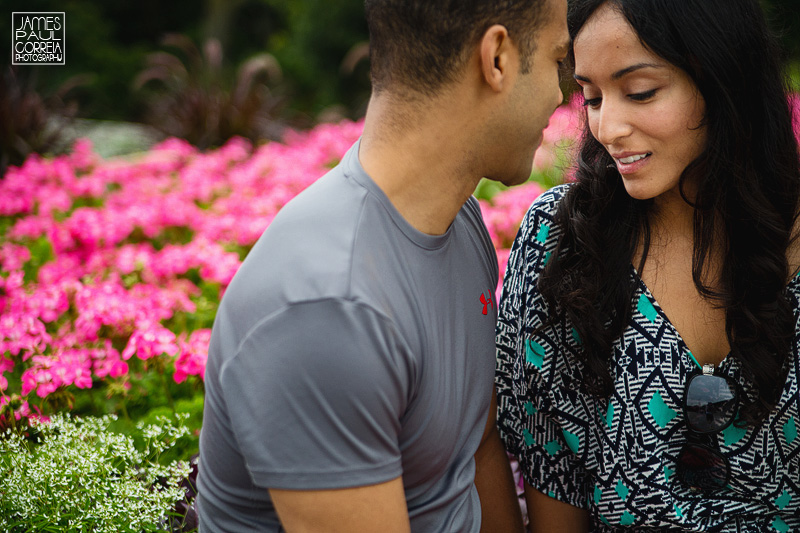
(544, 231)
(552, 447)
(622, 490)
(534, 353)
(576, 337)
(529, 440)
(646, 308)
(627, 519)
(733, 434)
(780, 525)
(790, 430)
(573, 441)
(616, 456)
(661, 412)
(783, 500)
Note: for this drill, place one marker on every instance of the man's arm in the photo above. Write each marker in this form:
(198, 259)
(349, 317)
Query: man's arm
(493, 479)
(380, 507)
(548, 514)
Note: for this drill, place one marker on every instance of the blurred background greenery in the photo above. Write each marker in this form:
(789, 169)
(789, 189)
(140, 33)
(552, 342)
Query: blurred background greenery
(140, 70)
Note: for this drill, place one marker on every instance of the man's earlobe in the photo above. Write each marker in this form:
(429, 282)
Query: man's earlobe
(495, 48)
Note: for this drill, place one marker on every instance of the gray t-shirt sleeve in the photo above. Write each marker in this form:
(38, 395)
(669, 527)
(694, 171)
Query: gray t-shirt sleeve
(316, 393)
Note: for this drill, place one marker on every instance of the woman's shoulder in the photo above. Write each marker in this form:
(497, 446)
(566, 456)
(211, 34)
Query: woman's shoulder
(542, 211)
(548, 201)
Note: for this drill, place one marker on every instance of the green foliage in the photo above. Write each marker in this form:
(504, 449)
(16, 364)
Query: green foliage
(192, 409)
(41, 252)
(199, 100)
(316, 42)
(29, 122)
(81, 476)
(149, 393)
(794, 76)
(108, 42)
(313, 48)
(548, 178)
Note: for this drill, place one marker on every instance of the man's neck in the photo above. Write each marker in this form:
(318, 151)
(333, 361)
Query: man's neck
(421, 160)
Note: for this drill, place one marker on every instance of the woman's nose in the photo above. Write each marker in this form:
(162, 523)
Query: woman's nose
(612, 122)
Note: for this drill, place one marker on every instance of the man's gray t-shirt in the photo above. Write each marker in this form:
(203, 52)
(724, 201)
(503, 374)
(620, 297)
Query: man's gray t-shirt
(348, 350)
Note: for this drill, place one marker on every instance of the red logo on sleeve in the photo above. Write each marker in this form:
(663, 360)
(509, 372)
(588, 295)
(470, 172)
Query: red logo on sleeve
(487, 302)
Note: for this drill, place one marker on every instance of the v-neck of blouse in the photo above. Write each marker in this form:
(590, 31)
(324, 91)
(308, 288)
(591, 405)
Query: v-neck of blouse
(645, 290)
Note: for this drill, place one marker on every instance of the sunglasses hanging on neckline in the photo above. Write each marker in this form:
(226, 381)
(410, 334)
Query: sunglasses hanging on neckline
(711, 402)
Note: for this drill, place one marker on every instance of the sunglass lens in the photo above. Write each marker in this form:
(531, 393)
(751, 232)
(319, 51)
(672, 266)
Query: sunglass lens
(702, 468)
(710, 403)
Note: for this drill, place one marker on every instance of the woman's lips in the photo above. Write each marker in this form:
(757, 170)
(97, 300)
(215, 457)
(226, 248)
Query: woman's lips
(628, 163)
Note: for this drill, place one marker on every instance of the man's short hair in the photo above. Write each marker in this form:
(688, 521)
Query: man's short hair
(422, 44)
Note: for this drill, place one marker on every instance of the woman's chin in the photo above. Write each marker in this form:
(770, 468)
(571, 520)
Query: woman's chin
(640, 193)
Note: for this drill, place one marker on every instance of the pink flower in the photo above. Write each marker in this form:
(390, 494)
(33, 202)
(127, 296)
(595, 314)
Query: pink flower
(62, 369)
(193, 356)
(39, 379)
(83, 156)
(502, 262)
(794, 107)
(48, 302)
(22, 333)
(506, 210)
(6, 365)
(150, 341)
(23, 412)
(560, 136)
(10, 289)
(13, 257)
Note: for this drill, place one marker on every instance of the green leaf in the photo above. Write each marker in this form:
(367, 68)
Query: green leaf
(41, 253)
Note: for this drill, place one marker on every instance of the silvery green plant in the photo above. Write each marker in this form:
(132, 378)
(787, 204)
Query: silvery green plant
(77, 475)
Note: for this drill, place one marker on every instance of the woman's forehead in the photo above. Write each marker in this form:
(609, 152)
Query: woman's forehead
(608, 44)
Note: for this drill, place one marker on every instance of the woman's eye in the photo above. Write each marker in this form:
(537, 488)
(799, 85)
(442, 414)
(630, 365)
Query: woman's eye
(591, 102)
(639, 97)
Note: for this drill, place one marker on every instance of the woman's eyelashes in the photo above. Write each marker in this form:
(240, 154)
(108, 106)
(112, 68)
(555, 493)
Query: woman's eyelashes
(640, 97)
(636, 97)
(591, 102)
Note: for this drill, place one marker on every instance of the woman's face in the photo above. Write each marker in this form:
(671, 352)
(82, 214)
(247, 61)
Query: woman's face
(646, 112)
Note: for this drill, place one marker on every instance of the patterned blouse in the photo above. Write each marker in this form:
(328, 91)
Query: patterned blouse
(616, 457)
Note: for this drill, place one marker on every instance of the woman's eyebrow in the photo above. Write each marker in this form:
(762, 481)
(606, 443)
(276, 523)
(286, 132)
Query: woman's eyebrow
(623, 72)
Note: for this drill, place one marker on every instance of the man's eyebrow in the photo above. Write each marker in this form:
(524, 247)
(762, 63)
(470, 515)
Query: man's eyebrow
(562, 48)
(623, 72)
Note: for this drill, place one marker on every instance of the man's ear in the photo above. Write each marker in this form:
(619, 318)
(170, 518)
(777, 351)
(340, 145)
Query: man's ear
(496, 51)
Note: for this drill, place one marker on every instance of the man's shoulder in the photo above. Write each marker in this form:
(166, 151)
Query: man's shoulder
(332, 199)
(305, 253)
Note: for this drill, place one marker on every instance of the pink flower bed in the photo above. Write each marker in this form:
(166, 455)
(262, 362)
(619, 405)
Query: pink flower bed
(107, 266)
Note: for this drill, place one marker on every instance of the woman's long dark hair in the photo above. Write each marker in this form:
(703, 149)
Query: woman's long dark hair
(748, 184)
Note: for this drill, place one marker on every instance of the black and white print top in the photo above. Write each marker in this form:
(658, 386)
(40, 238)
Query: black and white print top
(616, 457)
